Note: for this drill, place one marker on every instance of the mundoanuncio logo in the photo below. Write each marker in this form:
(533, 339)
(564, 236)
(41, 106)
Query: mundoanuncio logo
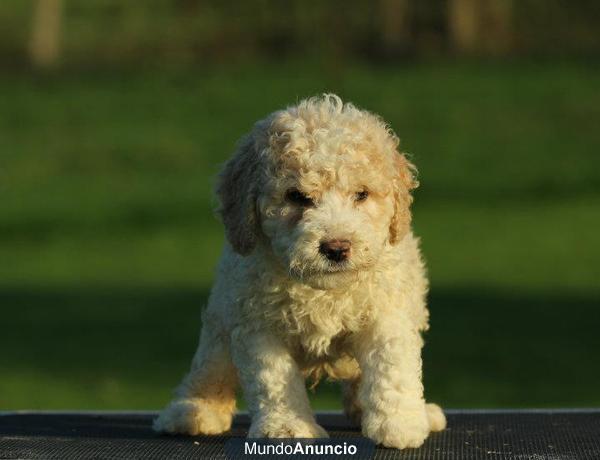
(324, 449)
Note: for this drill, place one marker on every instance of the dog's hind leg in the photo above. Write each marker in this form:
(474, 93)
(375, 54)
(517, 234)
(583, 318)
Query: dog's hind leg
(205, 400)
(352, 407)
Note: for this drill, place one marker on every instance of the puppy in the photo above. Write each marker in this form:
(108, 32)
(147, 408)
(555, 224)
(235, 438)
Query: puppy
(321, 276)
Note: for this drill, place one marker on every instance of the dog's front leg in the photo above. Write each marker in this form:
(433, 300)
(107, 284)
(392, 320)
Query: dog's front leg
(273, 387)
(391, 389)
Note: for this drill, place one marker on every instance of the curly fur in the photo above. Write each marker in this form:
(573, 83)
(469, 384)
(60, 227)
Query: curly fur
(281, 312)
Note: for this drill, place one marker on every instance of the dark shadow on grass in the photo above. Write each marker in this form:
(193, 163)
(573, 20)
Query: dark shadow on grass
(491, 348)
(485, 347)
(128, 331)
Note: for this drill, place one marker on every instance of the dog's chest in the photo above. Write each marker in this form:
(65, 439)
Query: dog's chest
(315, 321)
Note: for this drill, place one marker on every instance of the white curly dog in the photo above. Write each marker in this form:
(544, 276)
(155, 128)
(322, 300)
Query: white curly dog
(322, 276)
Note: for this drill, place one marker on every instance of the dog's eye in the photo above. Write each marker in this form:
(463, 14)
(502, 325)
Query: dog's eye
(297, 197)
(361, 196)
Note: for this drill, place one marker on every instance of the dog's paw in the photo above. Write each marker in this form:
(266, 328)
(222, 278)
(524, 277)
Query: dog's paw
(193, 416)
(404, 429)
(288, 427)
(436, 417)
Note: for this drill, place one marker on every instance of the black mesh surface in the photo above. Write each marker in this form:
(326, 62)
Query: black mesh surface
(470, 435)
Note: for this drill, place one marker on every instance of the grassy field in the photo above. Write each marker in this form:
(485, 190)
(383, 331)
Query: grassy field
(108, 238)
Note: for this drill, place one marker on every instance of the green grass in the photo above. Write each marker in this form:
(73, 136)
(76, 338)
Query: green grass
(108, 239)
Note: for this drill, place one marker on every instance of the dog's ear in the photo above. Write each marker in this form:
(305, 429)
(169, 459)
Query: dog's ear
(404, 181)
(237, 190)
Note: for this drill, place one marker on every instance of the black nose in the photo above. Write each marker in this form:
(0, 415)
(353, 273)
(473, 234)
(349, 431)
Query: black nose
(335, 250)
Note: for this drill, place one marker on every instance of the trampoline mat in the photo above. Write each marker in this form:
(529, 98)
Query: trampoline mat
(535, 434)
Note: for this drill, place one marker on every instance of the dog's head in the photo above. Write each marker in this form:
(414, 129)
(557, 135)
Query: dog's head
(323, 185)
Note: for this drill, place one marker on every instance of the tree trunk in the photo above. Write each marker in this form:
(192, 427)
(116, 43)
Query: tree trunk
(395, 25)
(481, 26)
(44, 47)
(499, 23)
(464, 19)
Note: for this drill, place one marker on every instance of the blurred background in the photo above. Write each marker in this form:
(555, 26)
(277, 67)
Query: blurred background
(115, 117)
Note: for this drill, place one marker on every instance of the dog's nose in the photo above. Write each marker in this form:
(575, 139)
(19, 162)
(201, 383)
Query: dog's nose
(335, 250)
